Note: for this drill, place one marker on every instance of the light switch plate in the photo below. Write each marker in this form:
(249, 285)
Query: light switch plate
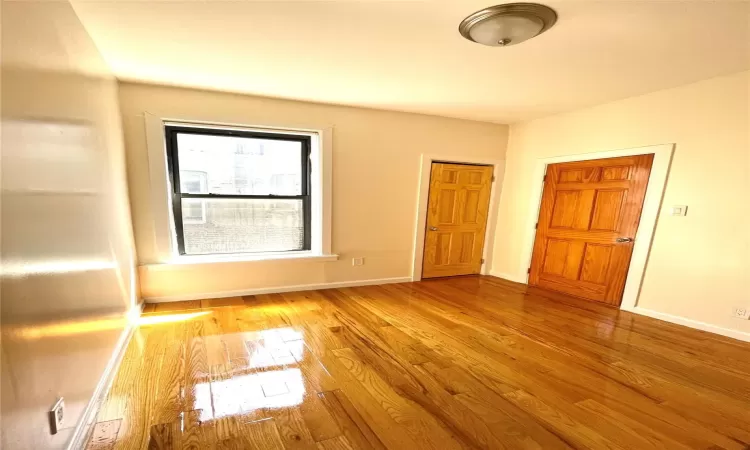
(358, 261)
(678, 210)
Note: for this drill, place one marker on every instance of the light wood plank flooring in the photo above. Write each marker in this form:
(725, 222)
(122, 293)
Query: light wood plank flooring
(462, 363)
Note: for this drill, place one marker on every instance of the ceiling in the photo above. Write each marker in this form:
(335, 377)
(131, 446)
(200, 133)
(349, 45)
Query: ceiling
(407, 55)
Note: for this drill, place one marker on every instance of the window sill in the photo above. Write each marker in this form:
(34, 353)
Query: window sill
(264, 257)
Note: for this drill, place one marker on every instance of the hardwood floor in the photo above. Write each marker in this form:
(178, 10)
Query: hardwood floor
(473, 362)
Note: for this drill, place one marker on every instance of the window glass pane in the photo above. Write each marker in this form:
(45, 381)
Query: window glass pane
(242, 225)
(194, 182)
(231, 165)
(194, 211)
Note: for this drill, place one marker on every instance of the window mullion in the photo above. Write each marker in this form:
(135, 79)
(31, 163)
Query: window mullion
(245, 197)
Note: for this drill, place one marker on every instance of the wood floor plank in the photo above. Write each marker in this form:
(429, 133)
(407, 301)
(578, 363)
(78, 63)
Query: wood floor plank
(318, 419)
(104, 435)
(463, 363)
(169, 402)
(177, 306)
(262, 435)
(196, 375)
(162, 437)
(293, 430)
(337, 443)
(130, 369)
(372, 411)
(353, 426)
(579, 434)
(191, 438)
(645, 436)
(423, 428)
(140, 400)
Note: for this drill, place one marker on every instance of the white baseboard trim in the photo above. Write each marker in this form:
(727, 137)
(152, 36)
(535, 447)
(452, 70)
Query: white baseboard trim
(86, 424)
(509, 277)
(276, 290)
(698, 325)
(728, 332)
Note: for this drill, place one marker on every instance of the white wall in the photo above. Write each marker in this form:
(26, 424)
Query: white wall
(699, 266)
(68, 260)
(376, 167)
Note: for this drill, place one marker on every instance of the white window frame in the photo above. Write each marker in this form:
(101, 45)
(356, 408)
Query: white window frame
(321, 177)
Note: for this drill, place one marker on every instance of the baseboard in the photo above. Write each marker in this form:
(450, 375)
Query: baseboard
(276, 290)
(86, 424)
(728, 332)
(509, 277)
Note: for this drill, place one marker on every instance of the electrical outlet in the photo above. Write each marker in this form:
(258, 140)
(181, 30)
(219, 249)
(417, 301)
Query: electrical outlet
(679, 210)
(56, 416)
(741, 312)
(358, 261)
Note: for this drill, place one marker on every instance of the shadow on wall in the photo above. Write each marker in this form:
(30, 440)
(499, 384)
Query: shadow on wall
(68, 267)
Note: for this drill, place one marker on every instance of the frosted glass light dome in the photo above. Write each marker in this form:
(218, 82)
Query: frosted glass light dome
(508, 24)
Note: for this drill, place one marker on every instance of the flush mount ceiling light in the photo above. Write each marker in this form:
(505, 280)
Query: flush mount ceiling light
(509, 24)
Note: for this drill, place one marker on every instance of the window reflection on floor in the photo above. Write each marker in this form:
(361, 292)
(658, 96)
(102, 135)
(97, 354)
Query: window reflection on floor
(274, 347)
(268, 377)
(246, 393)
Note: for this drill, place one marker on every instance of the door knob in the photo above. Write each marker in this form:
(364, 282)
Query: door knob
(433, 228)
(624, 239)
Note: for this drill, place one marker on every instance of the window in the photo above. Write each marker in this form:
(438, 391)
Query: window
(239, 191)
(194, 182)
(193, 211)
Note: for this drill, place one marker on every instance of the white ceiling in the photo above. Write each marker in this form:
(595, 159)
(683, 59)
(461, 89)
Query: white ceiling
(408, 55)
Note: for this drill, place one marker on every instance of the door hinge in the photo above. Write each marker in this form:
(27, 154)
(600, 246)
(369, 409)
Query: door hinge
(544, 179)
(536, 225)
(493, 178)
(481, 260)
(529, 271)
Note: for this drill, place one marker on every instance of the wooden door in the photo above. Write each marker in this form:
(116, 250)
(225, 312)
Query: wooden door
(456, 219)
(587, 222)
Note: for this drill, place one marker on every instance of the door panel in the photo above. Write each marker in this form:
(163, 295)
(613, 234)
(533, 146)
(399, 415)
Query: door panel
(565, 209)
(596, 259)
(471, 207)
(607, 208)
(586, 206)
(456, 219)
(555, 258)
